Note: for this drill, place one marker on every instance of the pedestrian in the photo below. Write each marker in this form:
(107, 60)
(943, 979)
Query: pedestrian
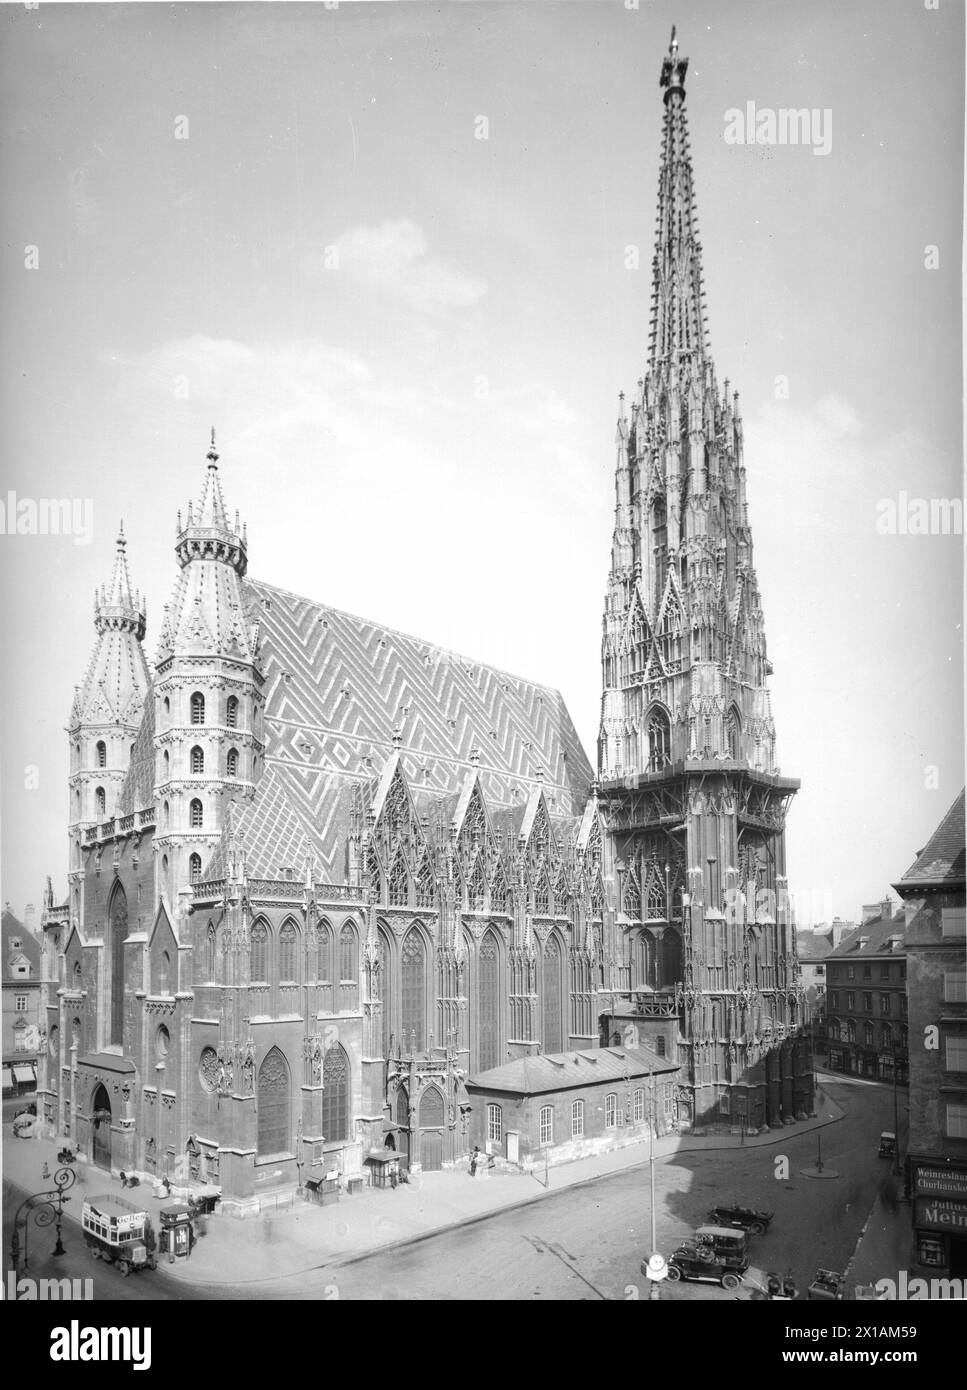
(474, 1160)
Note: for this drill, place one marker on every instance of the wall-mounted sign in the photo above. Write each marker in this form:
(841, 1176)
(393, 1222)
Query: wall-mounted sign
(940, 1214)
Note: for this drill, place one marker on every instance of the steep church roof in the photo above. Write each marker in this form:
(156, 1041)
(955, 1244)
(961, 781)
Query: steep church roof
(941, 861)
(269, 834)
(342, 692)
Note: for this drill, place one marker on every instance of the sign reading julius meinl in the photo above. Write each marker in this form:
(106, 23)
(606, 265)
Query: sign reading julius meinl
(940, 1214)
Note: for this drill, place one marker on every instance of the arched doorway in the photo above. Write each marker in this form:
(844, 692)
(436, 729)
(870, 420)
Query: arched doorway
(432, 1119)
(101, 1123)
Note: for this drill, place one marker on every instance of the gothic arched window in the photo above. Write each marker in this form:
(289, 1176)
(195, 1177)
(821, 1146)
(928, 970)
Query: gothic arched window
(194, 868)
(425, 887)
(488, 1002)
(231, 763)
(259, 967)
(198, 708)
(385, 992)
(231, 712)
(211, 952)
(196, 814)
(553, 992)
(101, 753)
(542, 896)
(273, 1104)
(413, 990)
(399, 883)
(288, 938)
(166, 764)
(347, 954)
(118, 915)
(475, 888)
(197, 760)
(100, 803)
(659, 741)
(335, 1095)
(732, 732)
(323, 953)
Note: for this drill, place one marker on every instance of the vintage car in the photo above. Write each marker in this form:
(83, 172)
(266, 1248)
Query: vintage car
(700, 1264)
(744, 1218)
(25, 1127)
(729, 1244)
(827, 1285)
(887, 1144)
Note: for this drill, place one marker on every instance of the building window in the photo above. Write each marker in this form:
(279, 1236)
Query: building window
(413, 991)
(197, 708)
(231, 763)
(197, 760)
(101, 753)
(638, 1110)
(868, 1003)
(851, 972)
(867, 972)
(273, 1104)
(660, 1045)
(956, 1052)
(955, 986)
(577, 1119)
(850, 1002)
(287, 952)
(957, 1121)
(659, 741)
(884, 1004)
(323, 952)
(547, 1124)
(952, 922)
(231, 712)
(259, 967)
(212, 942)
(194, 868)
(347, 954)
(868, 1035)
(20, 1003)
(196, 815)
(884, 972)
(724, 1103)
(886, 1036)
(488, 998)
(495, 1124)
(834, 999)
(335, 1096)
(610, 1110)
(732, 734)
(100, 803)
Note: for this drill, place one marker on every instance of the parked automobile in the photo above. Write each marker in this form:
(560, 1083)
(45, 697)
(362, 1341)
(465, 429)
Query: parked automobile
(728, 1243)
(887, 1144)
(30, 1109)
(827, 1285)
(25, 1127)
(700, 1264)
(744, 1218)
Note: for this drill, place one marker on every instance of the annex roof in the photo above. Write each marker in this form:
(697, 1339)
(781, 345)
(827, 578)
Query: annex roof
(562, 1071)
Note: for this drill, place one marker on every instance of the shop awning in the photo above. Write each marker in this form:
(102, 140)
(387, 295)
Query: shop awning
(7, 1077)
(24, 1075)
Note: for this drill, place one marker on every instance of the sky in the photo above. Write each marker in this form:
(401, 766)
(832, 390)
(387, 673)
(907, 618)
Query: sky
(384, 250)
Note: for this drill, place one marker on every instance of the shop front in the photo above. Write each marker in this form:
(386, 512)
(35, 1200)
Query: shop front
(939, 1192)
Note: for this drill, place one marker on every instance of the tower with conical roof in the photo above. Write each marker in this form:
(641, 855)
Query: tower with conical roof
(106, 712)
(686, 749)
(208, 692)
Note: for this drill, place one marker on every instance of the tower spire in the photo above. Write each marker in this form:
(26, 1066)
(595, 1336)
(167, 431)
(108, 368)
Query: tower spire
(117, 605)
(678, 316)
(208, 533)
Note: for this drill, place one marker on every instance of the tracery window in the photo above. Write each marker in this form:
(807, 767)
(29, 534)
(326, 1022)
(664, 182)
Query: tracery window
(732, 731)
(632, 897)
(413, 991)
(425, 887)
(475, 888)
(194, 868)
(399, 881)
(659, 741)
(197, 708)
(197, 760)
(259, 968)
(119, 931)
(196, 814)
(542, 896)
(488, 996)
(432, 1110)
(335, 1095)
(273, 1104)
(288, 938)
(553, 996)
(323, 952)
(211, 953)
(347, 954)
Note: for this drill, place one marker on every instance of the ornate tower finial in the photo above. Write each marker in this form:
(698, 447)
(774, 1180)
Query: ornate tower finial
(212, 456)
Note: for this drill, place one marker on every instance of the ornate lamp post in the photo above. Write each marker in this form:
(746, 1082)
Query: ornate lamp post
(44, 1209)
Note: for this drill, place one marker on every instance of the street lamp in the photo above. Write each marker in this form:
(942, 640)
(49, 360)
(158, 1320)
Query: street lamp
(657, 1269)
(43, 1208)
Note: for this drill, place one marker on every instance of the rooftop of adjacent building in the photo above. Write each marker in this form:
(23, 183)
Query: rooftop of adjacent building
(883, 936)
(941, 862)
(563, 1071)
(19, 946)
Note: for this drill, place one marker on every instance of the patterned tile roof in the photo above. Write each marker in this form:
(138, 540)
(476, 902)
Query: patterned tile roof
(560, 1071)
(269, 833)
(941, 861)
(338, 687)
(137, 793)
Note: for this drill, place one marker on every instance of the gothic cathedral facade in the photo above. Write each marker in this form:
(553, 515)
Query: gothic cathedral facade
(322, 873)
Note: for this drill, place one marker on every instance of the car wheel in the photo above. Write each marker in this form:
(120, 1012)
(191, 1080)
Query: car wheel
(95, 1253)
(674, 1273)
(757, 1229)
(730, 1281)
(124, 1268)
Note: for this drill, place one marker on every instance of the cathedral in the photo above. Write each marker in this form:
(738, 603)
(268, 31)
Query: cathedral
(329, 884)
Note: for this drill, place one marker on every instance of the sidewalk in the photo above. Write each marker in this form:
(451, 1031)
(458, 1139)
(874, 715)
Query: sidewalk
(885, 1246)
(308, 1237)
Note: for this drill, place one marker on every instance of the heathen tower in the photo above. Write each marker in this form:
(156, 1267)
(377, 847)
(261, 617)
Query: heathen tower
(686, 751)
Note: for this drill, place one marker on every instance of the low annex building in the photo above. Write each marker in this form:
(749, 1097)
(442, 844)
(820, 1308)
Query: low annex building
(567, 1105)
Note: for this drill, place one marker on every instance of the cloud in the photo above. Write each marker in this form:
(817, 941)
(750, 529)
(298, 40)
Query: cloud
(392, 258)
